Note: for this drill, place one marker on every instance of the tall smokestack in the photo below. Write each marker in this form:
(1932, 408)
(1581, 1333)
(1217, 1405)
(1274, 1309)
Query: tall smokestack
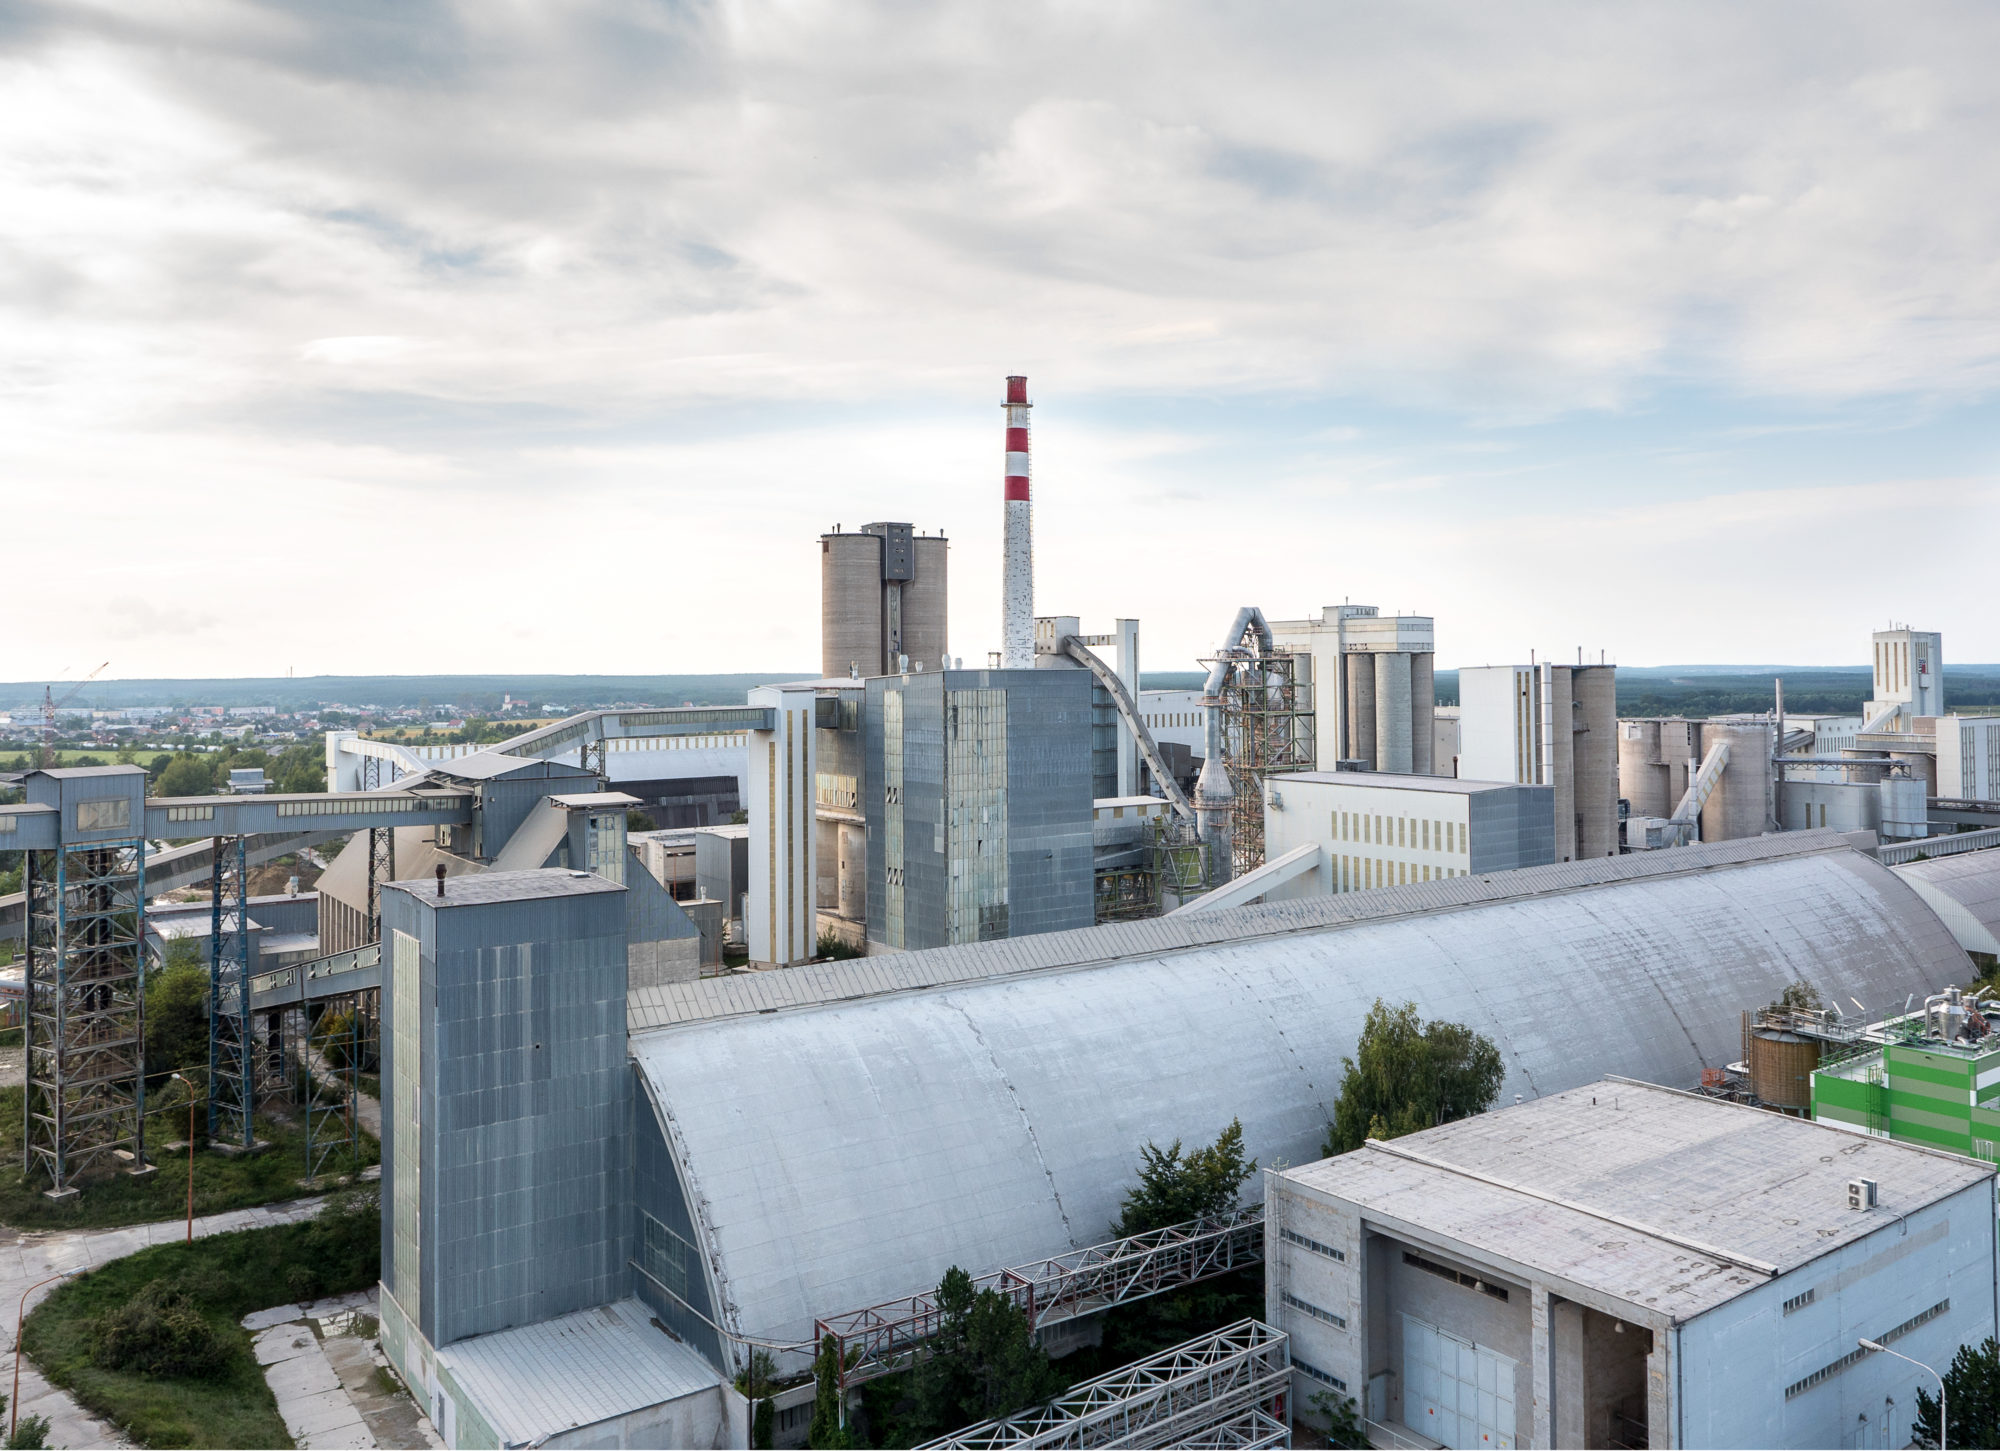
(1017, 575)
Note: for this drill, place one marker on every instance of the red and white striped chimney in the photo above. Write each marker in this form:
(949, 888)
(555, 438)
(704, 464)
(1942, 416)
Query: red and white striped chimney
(1017, 576)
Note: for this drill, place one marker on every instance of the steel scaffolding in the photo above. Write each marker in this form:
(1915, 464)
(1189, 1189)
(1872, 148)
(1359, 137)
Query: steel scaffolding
(1223, 1389)
(881, 1339)
(1267, 728)
(331, 1051)
(85, 1016)
(232, 1073)
(381, 871)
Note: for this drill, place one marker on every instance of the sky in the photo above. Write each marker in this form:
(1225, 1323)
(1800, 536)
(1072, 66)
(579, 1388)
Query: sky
(495, 336)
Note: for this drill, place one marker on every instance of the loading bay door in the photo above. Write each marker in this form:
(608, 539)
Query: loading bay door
(1457, 1393)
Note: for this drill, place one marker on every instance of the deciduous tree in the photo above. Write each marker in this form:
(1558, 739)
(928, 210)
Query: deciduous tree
(1408, 1075)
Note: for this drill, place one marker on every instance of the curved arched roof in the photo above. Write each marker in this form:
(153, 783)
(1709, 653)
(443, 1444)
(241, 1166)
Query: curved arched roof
(983, 1106)
(1964, 890)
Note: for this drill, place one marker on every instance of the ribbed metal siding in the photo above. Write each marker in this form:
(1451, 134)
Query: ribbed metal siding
(526, 1164)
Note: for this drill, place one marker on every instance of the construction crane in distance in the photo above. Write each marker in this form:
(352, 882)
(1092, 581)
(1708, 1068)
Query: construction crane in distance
(49, 707)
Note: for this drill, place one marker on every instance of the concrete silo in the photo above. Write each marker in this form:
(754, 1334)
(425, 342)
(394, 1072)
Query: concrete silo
(882, 594)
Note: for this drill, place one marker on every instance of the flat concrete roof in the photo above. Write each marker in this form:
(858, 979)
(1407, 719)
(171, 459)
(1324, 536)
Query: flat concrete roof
(1668, 1201)
(481, 888)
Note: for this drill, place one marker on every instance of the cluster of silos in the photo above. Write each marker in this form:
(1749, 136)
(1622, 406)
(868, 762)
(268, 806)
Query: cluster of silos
(1658, 757)
(1390, 698)
(882, 600)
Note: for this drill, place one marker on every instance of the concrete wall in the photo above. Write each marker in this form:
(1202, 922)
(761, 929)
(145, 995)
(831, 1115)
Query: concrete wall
(1594, 740)
(1739, 1358)
(1511, 828)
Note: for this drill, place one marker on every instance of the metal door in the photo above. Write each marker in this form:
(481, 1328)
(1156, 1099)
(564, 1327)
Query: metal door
(1455, 1392)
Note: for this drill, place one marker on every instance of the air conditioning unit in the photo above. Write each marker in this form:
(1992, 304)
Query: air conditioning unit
(1860, 1193)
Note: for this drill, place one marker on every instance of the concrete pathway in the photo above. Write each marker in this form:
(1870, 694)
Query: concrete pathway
(323, 1365)
(32, 1255)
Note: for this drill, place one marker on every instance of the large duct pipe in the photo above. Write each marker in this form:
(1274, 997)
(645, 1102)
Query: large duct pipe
(1017, 575)
(1214, 796)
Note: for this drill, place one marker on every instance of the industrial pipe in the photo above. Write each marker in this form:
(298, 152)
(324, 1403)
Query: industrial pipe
(1214, 796)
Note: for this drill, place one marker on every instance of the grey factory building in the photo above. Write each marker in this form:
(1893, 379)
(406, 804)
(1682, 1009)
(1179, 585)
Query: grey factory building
(978, 799)
(983, 1105)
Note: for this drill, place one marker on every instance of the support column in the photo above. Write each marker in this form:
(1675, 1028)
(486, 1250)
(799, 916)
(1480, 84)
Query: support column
(1542, 1366)
(1659, 1403)
(1128, 673)
(1423, 715)
(781, 922)
(853, 898)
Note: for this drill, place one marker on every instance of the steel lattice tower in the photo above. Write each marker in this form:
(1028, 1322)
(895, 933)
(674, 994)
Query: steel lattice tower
(85, 1013)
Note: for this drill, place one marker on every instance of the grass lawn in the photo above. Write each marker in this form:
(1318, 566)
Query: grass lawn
(220, 1182)
(228, 1276)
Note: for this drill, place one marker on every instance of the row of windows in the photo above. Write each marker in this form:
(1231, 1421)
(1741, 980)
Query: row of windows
(1339, 1322)
(1327, 1377)
(1359, 873)
(1857, 1355)
(1460, 1277)
(364, 805)
(190, 813)
(1799, 1301)
(1417, 833)
(1174, 719)
(1293, 1237)
(9, 823)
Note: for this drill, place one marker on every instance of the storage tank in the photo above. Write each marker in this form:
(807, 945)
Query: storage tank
(1737, 807)
(1394, 749)
(1594, 758)
(1642, 776)
(925, 633)
(1423, 718)
(850, 611)
(1781, 1065)
(1360, 672)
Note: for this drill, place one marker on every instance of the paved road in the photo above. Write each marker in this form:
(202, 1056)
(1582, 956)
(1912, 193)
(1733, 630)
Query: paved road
(29, 1256)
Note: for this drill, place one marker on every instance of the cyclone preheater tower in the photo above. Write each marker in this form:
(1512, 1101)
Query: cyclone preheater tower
(1017, 576)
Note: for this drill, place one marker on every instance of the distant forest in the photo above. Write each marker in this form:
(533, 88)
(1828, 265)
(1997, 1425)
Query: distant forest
(1696, 690)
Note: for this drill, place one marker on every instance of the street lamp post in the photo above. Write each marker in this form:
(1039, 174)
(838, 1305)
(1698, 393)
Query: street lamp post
(20, 1317)
(190, 1088)
(1877, 1345)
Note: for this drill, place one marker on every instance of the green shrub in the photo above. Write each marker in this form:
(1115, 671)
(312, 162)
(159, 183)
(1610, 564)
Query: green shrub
(159, 1331)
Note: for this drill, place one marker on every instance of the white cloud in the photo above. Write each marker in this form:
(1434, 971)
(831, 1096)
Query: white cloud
(286, 273)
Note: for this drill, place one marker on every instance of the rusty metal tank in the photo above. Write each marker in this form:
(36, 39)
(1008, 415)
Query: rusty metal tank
(1781, 1067)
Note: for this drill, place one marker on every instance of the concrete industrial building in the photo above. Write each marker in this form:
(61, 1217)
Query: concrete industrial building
(1625, 1265)
(883, 598)
(1374, 686)
(982, 1105)
(979, 805)
(1909, 679)
(1548, 725)
(1968, 757)
(1375, 829)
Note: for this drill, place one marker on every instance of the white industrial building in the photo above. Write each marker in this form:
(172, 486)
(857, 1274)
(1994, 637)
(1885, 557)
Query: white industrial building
(1548, 725)
(1909, 679)
(1626, 1265)
(1968, 757)
(1348, 831)
(1374, 686)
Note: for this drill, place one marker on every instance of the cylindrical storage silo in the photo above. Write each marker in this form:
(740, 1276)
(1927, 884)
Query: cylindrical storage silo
(1737, 806)
(1392, 713)
(850, 608)
(853, 850)
(1423, 714)
(1360, 672)
(1781, 1067)
(1642, 779)
(925, 633)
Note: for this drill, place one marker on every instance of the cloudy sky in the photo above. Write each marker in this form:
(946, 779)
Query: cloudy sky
(354, 337)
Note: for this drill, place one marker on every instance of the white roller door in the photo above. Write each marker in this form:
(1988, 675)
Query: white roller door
(1455, 1392)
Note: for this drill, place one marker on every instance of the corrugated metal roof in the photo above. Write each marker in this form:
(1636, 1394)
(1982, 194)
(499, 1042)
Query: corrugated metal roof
(1965, 891)
(534, 1381)
(982, 1106)
(1583, 1175)
(838, 981)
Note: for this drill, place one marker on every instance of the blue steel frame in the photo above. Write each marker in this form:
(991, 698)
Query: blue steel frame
(231, 1085)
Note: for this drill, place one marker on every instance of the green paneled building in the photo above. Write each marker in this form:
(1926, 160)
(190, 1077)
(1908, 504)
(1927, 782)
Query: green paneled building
(1922, 1092)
